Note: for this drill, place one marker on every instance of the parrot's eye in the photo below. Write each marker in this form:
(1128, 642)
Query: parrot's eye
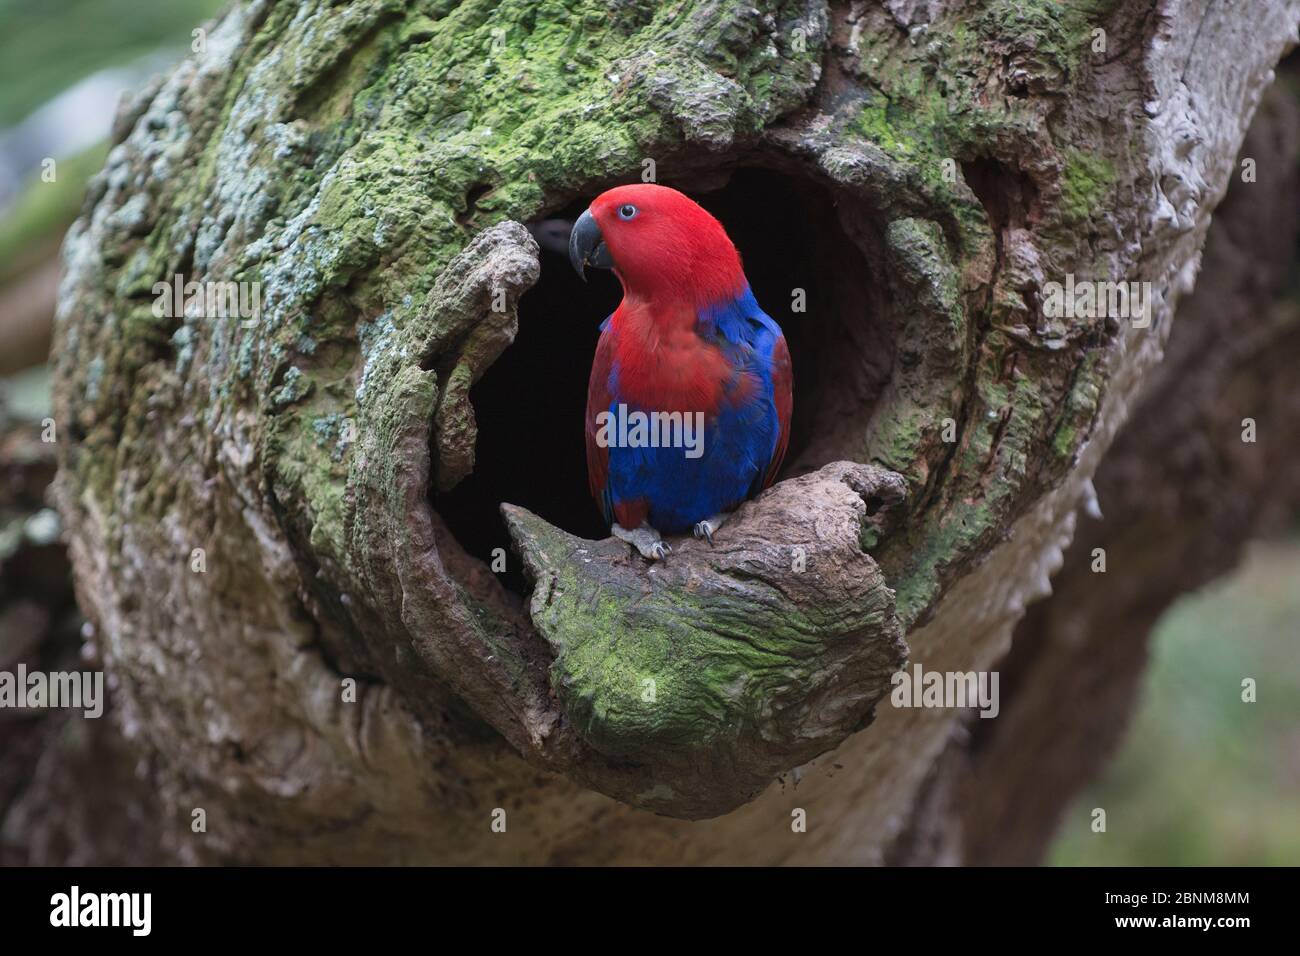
(627, 211)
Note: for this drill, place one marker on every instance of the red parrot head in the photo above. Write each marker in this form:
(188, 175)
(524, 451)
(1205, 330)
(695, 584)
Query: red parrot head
(662, 245)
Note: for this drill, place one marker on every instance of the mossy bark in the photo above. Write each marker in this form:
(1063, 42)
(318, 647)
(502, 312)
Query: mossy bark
(371, 164)
(1180, 496)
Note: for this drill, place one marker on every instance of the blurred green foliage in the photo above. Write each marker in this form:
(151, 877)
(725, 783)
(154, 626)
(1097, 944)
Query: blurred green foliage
(1202, 777)
(44, 210)
(26, 395)
(47, 46)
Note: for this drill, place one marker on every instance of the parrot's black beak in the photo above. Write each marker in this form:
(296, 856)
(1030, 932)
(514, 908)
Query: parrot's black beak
(587, 246)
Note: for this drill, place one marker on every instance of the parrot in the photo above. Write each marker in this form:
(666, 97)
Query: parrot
(690, 350)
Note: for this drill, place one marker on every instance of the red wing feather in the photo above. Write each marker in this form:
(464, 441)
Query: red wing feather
(598, 400)
(783, 398)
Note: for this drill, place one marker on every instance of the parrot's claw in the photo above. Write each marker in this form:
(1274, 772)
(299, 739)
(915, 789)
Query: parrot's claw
(707, 528)
(645, 539)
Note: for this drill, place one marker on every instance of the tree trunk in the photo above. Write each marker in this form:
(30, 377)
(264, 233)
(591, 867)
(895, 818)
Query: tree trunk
(262, 515)
(1180, 494)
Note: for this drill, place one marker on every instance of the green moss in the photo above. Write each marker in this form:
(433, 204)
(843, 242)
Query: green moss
(1048, 36)
(896, 439)
(1001, 427)
(874, 122)
(646, 678)
(1078, 411)
(958, 532)
(707, 683)
(929, 113)
(446, 121)
(1085, 180)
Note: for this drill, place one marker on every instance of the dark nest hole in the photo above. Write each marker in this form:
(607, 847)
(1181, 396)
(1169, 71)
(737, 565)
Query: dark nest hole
(529, 406)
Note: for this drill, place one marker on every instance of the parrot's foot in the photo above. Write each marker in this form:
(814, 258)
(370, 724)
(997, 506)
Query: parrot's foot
(706, 528)
(645, 539)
